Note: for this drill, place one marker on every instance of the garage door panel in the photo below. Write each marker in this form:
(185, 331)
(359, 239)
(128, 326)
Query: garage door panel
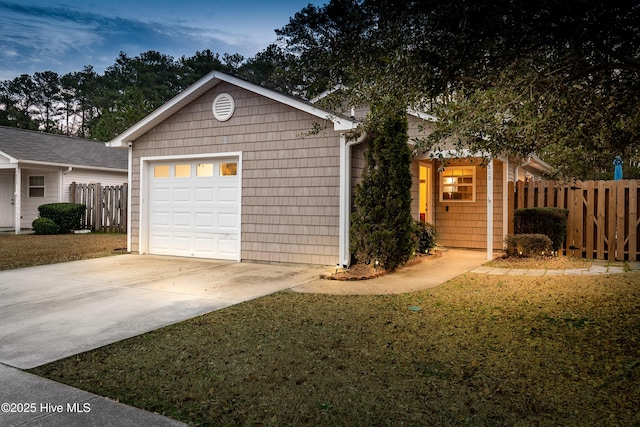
(227, 222)
(196, 215)
(159, 241)
(182, 243)
(160, 194)
(182, 194)
(182, 219)
(204, 244)
(204, 195)
(204, 220)
(228, 195)
(159, 219)
(228, 245)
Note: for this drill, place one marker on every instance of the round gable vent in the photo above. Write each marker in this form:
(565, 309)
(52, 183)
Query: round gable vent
(223, 107)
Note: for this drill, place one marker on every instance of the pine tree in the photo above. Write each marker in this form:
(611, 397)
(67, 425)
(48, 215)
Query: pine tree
(382, 227)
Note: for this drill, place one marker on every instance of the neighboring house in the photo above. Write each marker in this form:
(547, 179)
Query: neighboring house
(231, 170)
(38, 168)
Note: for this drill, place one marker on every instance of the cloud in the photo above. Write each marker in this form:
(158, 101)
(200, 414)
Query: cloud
(65, 38)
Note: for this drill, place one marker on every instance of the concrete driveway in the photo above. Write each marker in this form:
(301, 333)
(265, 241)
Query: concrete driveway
(54, 311)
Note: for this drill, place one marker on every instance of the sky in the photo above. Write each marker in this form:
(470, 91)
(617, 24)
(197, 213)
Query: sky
(66, 35)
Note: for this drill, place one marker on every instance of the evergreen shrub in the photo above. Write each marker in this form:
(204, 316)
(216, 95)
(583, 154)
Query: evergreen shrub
(44, 226)
(528, 245)
(382, 226)
(552, 222)
(65, 215)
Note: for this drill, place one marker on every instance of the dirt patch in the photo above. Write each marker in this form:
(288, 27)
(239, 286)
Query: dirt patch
(27, 250)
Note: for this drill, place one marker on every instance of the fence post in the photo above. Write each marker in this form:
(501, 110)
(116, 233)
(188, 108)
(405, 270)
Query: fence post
(601, 219)
(97, 207)
(589, 219)
(633, 220)
(621, 186)
(510, 206)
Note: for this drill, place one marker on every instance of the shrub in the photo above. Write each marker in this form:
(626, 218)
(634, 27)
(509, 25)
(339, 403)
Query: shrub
(382, 226)
(65, 215)
(44, 226)
(528, 245)
(552, 222)
(426, 236)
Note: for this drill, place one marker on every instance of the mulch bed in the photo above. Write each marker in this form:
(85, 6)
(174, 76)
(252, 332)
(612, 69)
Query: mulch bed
(369, 271)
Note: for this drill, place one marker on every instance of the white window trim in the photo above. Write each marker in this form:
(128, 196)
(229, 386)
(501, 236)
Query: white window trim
(473, 185)
(44, 187)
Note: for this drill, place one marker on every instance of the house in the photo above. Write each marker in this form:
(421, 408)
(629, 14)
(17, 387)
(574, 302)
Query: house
(231, 170)
(38, 168)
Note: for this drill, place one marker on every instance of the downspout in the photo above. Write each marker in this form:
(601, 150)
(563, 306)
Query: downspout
(17, 199)
(129, 169)
(345, 196)
(62, 183)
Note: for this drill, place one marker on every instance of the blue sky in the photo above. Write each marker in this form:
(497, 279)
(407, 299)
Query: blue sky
(65, 35)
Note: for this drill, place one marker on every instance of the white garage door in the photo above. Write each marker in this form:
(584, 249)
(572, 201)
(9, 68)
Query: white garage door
(194, 208)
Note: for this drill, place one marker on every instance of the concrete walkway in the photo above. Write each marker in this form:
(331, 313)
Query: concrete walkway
(596, 268)
(428, 274)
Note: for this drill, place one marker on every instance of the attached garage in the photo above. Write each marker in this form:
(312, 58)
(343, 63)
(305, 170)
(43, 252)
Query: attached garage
(193, 207)
(231, 170)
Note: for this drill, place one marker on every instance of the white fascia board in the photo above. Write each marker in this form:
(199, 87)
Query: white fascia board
(10, 158)
(540, 164)
(422, 115)
(25, 164)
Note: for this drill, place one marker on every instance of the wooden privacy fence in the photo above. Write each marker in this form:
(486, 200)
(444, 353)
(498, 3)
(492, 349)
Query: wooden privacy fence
(604, 216)
(106, 206)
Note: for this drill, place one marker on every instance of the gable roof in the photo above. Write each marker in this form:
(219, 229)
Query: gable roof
(208, 82)
(20, 145)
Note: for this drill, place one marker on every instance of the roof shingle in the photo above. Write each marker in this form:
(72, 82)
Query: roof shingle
(26, 145)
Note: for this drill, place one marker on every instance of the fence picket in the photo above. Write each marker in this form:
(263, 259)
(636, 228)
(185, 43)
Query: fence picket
(633, 220)
(589, 218)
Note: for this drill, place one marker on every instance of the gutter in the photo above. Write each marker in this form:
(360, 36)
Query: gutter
(345, 196)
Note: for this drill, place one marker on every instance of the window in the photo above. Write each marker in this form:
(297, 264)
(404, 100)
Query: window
(161, 171)
(458, 184)
(228, 169)
(182, 171)
(36, 186)
(204, 169)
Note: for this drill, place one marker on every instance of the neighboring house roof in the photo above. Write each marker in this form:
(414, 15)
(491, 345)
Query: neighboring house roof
(20, 145)
(206, 83)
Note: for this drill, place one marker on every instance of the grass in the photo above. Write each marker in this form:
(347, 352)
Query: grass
(479, 350)
(27, 250)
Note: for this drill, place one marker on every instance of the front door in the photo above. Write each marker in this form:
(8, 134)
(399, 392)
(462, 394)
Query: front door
(6, 201)
(426, 199)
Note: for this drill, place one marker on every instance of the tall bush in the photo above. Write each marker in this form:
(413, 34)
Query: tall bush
(65, 215)
(552, 222)
(382, 226)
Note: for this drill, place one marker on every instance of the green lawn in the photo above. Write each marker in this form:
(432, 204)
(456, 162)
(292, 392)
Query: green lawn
(481, 350)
